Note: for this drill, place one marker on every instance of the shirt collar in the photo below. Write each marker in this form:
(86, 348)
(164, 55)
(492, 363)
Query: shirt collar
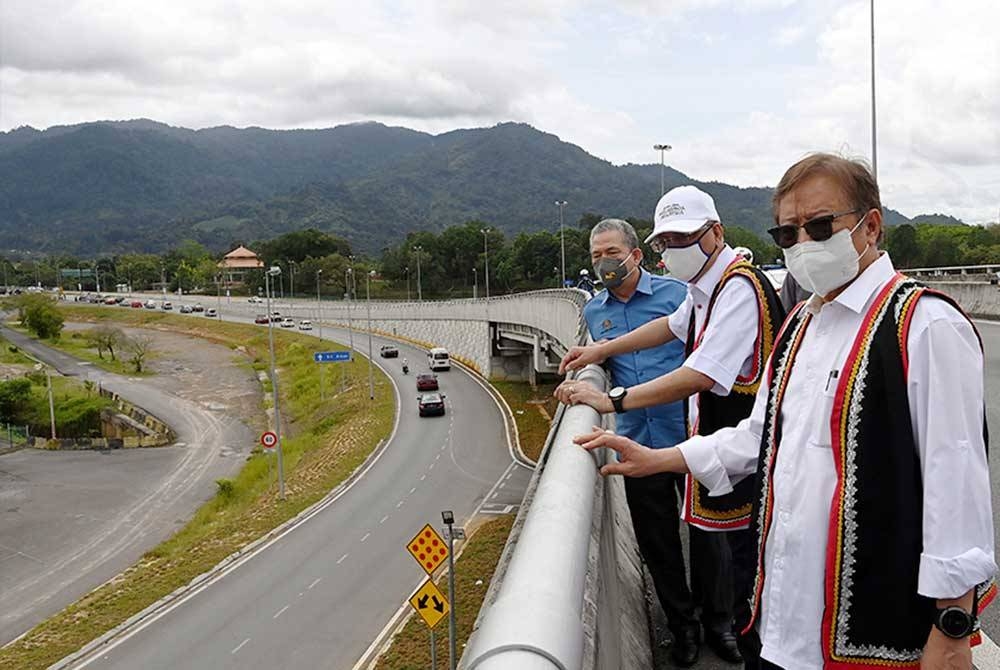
(645, 285)
(708, 281)
(859, 292)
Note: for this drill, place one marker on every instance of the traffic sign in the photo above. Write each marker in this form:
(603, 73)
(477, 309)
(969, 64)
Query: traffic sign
(268, 439)
(430, 603)
(459, 533)
(332, 356)
(428, 548)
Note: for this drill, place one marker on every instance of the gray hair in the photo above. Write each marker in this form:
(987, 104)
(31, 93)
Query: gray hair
(623, 227)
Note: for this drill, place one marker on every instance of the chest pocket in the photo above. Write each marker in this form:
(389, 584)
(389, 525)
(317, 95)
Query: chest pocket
(823, 410)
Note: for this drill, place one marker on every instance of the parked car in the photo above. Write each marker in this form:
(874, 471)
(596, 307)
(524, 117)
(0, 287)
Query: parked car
(388, 351)
(150, 304)
(431, 404)
(211, 313)
(305, 324)
(198, 307)
(427, 382)
(261, 318)
(167, 306)
(186, 309)
(136, 304)
(288, 322)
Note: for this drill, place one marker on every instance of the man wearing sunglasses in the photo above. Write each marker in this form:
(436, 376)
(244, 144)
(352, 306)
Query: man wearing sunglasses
(727, 322)
(872, 520)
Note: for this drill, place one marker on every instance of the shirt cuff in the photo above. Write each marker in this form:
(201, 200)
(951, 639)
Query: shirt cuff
(954, 577)
(722, 377)
(705, 466)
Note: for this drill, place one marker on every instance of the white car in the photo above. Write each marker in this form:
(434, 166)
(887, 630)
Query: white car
(305, 324)
(255, 299)
(288, 322)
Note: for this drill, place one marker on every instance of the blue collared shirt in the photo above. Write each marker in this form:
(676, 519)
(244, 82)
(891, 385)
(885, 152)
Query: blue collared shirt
(607, 318)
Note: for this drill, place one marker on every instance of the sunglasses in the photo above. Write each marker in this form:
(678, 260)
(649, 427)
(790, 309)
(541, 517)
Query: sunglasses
(819, 229)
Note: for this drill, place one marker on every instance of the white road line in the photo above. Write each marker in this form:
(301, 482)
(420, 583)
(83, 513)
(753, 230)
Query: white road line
(301, 594)
(367, 535)
(341, 559)
(423, 477)
(239, 646)
(315, 582)
(431, 466)
(438, 457)
(280, 612)
(399, 504)
(413, 489)
(382, 520)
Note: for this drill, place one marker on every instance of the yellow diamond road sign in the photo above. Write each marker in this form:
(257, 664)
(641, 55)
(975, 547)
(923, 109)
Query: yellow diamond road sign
(430, 603)
(428, 548)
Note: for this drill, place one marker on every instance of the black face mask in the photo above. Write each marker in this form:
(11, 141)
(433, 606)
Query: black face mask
(612, 271)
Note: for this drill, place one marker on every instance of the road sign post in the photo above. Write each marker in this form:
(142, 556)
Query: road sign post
(332, 357)
(449, 520)
(434, 652)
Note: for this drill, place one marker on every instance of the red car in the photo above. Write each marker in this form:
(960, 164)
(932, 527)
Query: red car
(427, 382)
(261, 318)
(136, 304)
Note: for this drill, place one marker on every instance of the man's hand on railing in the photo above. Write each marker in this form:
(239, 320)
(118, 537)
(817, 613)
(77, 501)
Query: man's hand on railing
(581, 356)
(634, 460)
(575, 392)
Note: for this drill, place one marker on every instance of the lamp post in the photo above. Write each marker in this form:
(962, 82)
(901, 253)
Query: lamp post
(368, 300)
(874, 147)
(291, 280)
(562, 241)
(407, 270)
(449, 520)
(348, 275)
(420, 295)
(475, 282)
(486, 253)
(319, 325)
(662, 148)
(274, 271)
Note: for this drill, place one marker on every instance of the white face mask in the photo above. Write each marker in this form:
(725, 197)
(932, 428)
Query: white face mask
(685, 263)
(823, 267)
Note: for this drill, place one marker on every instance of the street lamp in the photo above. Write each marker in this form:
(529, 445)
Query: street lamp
(291, 281)
(274, 271)
(562, 239)
(874, 148)
(475, 282)
(368, 300)
(662, 148)
(486, 253)
(448, 517)
(420, 295)
(348, 275)
(319, 305)
(407, 270)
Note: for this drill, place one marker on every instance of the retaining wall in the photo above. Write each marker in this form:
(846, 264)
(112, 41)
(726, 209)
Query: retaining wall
(977, 298)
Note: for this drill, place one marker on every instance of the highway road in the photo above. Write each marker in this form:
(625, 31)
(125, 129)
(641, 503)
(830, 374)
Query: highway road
(319, 595)
(69, 524)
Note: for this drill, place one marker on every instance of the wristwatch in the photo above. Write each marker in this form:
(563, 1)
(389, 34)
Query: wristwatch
(617, 395)
(955, 622)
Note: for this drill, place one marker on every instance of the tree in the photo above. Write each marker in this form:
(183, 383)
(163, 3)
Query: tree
(902, 246)
(105, 338)
(139, 348)
(14, 398)
(39, 315)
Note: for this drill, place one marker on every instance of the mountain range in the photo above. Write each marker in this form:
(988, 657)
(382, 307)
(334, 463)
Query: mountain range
(125, 186)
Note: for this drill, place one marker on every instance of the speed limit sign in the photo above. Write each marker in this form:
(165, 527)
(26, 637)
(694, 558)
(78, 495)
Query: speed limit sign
(268, 439)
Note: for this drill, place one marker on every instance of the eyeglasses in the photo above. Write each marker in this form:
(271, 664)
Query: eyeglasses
(819, 229)
(660, 243)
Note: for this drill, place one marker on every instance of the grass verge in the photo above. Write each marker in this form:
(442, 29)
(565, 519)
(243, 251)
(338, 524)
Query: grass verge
(325, 441)
(533, 409)
(410, 648)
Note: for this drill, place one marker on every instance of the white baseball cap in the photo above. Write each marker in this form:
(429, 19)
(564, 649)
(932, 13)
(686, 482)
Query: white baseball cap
(684, 209)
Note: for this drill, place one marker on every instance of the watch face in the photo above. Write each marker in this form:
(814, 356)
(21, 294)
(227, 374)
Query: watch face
(955, 622)
(617, 392)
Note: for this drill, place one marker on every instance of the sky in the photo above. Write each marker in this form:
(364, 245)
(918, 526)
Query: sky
(740, 89)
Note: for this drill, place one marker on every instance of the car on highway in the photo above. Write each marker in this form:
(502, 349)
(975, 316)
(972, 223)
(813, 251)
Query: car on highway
(150, 304)
(288, 322)
(388, 351)
(135, 304)
(276, 316)
(261, 318)
(167, 306)
(110, 300)
(255, 299)
(186, 309)
(305, 324)
(431, 404)
(198, 307)
(211, 313)
(438, 359)
(427, 382)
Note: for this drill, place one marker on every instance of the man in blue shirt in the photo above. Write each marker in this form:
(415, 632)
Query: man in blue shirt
(633, 297)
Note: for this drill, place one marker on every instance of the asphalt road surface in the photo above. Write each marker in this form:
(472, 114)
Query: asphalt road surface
(320, 595)
(69, 521)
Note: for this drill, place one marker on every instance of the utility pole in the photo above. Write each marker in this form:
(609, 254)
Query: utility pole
(52, 405)
(274, 271)
(368, 296)
(449, 519)
(319, 324)
(420, 295)
(874, 143)
(562, 241)
(475, 282)
(661, 148)
(486, 253)
(348, 274)
(407, 269)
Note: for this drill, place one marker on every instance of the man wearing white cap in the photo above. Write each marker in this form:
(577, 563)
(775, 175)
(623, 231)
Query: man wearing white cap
(728, 322)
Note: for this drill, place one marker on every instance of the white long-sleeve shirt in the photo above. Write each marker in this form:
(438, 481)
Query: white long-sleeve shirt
(945, 396)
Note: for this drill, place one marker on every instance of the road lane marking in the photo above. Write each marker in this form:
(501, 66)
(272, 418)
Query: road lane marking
(399, 504)
(239, 646)
(382, 520)
(413, 489)
(280, 612)
(423, 477)
(341, 559)
(367, 535)
(431, 466)
(315, 582)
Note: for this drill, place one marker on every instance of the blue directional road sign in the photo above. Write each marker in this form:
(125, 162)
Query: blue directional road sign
(332, 356)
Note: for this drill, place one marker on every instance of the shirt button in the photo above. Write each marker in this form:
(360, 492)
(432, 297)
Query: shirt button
(699, 306)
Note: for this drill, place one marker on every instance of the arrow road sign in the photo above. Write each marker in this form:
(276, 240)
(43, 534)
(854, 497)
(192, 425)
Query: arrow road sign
(430, 603)
(332, 356)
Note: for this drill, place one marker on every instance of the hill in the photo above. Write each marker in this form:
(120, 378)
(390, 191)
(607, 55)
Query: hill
(139, 185)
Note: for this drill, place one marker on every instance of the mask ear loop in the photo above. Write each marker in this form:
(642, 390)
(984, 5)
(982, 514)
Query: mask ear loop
(858, 225)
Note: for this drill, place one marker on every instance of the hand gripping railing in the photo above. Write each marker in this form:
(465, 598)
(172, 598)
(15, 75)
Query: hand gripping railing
(536, 619)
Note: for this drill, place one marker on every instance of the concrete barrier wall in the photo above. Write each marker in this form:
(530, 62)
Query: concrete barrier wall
(977, 298)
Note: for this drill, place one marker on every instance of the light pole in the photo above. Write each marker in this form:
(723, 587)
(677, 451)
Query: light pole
(407, 270)
(486, 253)
(348, 275)
(420, 294)
(475, 282)
(368, 300)
(291, 280)
(562, 240)
(662, 148)
(449, 520)
(319, 325)
(274, 271)
(874, 147)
